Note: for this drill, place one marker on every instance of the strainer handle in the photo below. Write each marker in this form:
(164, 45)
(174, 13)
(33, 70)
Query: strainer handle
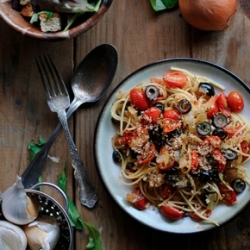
(66, 205)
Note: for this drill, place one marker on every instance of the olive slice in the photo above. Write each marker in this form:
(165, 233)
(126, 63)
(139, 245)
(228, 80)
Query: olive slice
(116, 157)
(206, 88)
(221, 133)
(219, 120)
(229, 154)
(203, 128)
(184, 106)
(152, 92)
(238, 185)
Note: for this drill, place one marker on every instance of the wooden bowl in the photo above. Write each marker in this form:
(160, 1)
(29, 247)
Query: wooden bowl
(14, 19)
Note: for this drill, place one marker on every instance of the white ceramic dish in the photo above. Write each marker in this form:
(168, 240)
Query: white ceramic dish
(109, 171)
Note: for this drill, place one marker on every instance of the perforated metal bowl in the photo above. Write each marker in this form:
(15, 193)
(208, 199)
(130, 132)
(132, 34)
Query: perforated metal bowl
(48, 206)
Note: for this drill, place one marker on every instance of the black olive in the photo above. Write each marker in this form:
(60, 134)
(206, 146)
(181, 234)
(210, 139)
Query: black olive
(206, 88)
(219, 120)
(214, 174)
(152, 92)
(16, 5)
(205, 176)
(184, 106)
(159, 105)
(211, 161)
(116, 156)
(238, 185)
(221, 133)
(229, 154)
(203, 128)
(130, 165)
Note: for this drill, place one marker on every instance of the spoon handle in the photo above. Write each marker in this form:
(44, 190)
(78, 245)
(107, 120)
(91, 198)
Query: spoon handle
(34, 169)
(87, 192)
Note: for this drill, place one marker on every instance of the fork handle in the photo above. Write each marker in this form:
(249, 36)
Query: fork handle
(87, 192)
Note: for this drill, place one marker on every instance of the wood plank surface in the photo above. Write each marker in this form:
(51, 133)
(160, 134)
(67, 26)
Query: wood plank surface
(141, 36)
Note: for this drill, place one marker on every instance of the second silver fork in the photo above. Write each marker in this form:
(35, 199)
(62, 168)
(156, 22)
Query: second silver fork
(58, 101)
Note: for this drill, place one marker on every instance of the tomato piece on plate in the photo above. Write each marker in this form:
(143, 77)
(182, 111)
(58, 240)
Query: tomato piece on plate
(138, 199)
(151, 115)
(139, 99)
(228, 195)
(223, 104)
(171, 212)
(169, 124)
(195, 216)
(147, 156)
(212, 107)
(165, 160)
(235, 101)
(172, 114)
(175, 79)
(194, 159)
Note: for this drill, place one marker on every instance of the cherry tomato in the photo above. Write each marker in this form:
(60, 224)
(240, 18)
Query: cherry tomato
(147, 156)
(167, 160)
(169, 124)
(166, 191)
(172, 114)
(223, 104)
(194, 159)
(151, 115)
(175, 79)
(121, 142)
(228, 195)
(219, 157)
(195, 216)
(231, 131)
(142, 202)
(171, 212)
(245, 147)
(212, 107)
(139, 99)
(235, 101)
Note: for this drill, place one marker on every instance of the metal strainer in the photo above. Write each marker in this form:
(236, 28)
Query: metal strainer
(50, 207)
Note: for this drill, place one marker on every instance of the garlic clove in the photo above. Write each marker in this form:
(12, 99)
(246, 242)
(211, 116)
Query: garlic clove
(12, 237)
(17, 207)
(43, 233)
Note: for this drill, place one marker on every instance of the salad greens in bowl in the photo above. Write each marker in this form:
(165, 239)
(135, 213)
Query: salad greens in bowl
(52, 19)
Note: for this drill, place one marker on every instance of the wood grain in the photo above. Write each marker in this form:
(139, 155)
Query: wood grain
(141, 36)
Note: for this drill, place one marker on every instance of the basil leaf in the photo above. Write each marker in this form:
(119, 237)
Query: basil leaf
(34, 147)
(159, 5)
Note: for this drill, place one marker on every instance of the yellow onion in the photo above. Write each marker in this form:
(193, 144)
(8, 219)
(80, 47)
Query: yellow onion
(208, 14)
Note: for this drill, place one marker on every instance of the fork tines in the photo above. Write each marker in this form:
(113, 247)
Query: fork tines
(50, 76)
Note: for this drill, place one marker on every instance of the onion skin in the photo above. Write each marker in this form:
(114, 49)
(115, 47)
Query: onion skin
(208, 14)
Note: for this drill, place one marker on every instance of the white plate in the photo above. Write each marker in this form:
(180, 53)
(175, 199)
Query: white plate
(109, 171)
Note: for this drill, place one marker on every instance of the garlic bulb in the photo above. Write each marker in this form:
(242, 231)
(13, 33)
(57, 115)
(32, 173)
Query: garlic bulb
(17, 207)
(43, 233)
(12, 237)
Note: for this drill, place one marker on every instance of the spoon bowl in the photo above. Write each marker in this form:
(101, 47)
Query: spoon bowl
(90, 81)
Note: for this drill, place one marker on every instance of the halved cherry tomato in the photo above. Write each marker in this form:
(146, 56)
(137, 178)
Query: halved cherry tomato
(138, 199)
(147, 156)
(151, 115)
(171, 212)
(194, 159)
(219, 157)
(228, 195)
(245, 147)
(166, 159)
(213, 140)
(235, 101)
(169, 124)
(195, 216)
(172, 114)
(139, 99)
(166, 191)
(223, 104)
(175, 79)
(212, 107)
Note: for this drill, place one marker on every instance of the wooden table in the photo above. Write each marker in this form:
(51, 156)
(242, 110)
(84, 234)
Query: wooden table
(141, 36)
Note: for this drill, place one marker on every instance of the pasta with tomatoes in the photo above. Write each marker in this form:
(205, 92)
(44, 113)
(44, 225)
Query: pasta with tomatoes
(181, 146)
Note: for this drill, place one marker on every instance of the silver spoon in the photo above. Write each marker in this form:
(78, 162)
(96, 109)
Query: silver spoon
(90, 81)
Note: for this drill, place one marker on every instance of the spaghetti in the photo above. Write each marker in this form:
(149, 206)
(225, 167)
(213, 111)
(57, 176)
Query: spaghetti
(180, 145)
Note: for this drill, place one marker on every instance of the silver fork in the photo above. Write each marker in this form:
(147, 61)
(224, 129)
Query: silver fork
(58, 101)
